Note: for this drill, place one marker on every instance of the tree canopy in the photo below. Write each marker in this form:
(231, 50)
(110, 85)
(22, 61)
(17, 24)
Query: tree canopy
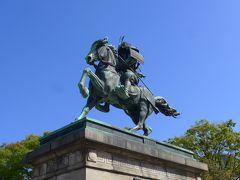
(11, 155)
(218, 145)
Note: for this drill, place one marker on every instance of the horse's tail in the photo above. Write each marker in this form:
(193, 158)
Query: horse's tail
(164, 107)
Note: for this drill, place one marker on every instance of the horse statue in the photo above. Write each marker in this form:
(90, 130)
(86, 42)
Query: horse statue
(106, 86)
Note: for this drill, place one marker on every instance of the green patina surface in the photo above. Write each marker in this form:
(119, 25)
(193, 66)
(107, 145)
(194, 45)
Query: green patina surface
(82, 124)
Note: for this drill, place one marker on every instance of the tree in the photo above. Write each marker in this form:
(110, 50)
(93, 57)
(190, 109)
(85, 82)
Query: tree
(11, 155)
(215, 144)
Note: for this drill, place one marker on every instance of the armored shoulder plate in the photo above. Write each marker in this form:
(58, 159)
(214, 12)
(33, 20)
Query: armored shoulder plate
(130, 53)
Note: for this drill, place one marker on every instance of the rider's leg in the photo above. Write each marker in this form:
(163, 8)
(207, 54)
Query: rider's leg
(128, 80)
(122, 90)
(127, 85)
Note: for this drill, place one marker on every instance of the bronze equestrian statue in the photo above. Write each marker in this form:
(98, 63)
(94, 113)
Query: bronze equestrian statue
(115, 82)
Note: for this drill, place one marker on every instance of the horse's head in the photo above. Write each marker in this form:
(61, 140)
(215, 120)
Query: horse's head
(100, 50)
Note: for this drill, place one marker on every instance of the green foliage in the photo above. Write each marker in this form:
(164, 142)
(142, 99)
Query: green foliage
(11, 155)
(215, 144)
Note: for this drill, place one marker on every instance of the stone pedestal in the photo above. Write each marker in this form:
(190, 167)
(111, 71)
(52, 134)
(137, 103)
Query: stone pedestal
(93, 150)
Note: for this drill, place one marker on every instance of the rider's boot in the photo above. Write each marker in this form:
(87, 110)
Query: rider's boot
(123, 90)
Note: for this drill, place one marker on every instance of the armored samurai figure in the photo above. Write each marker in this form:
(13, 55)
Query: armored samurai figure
(129, 60)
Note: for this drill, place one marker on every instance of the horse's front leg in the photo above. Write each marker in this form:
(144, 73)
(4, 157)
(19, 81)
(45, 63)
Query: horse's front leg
(84, 113)
(94, 80)
(91, 102)
(83, 89)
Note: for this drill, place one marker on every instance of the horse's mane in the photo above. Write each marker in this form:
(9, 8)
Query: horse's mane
(104, 42)
(114, 50)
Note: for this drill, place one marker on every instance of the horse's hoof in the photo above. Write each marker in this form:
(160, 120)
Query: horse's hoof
(149, 131)
(78, 118)
(127, 128)
(132, 130)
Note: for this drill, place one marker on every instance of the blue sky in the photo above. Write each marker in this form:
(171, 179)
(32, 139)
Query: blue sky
(191, 50)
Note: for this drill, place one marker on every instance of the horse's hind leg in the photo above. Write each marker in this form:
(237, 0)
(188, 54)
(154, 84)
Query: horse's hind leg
(140, 123)
(94, 80)
(141, 117)
(147, 130)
